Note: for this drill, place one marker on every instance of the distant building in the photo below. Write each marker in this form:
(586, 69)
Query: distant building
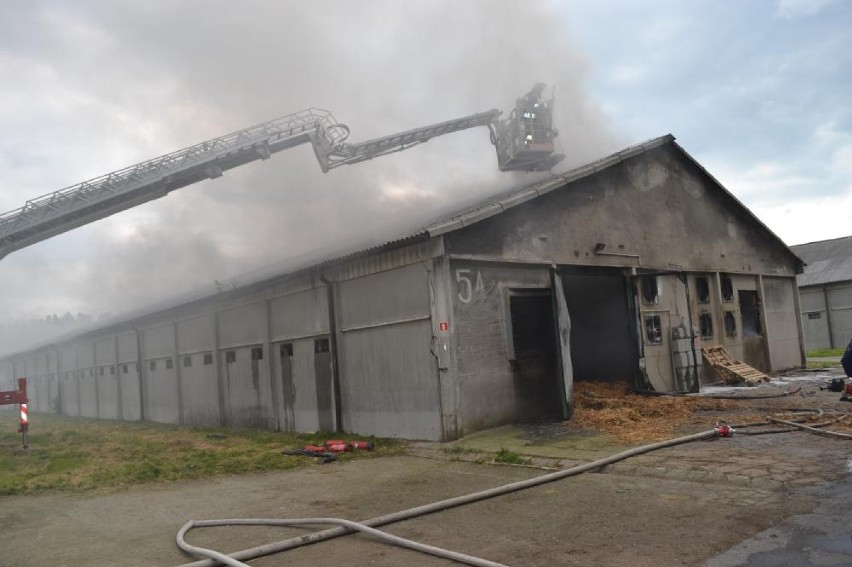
(462, 324)
(825, 289)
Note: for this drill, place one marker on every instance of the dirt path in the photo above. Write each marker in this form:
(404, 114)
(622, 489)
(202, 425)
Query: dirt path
(637, 513)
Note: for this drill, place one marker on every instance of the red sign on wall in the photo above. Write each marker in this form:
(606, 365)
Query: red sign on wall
(443, 326)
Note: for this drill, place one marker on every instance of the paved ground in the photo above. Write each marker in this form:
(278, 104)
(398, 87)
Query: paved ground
(757, 501)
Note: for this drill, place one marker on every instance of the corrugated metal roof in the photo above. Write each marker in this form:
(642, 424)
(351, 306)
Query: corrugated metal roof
(827, 261)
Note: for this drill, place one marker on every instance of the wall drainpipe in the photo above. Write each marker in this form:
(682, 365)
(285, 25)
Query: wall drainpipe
(333, 347)
(828, 317)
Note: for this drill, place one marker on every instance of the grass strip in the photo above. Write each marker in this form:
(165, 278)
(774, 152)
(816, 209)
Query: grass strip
(74, 454)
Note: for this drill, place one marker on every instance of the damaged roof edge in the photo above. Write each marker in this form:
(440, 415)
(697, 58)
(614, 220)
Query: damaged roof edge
(799, 262)
(517, 197)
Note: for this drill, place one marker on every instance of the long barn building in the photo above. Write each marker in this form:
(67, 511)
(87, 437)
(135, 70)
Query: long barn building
(464, 324)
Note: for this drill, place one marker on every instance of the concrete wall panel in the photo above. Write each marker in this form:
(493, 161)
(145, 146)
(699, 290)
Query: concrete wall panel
(304, 382)
(67, 359)
(107, 392)
(244, 325)
(53, 394)
(385, 297)
(88, 393)
(30, 367)
(812, 299)
(105, 351)
(200, 391)
(195, 335)
(40, 363)
(781, 321)
(131, 405)
(85, 355)
(303, 314)
(248, 389)
(391, 383)
(840, 303)
(159, 342)
(127, 348)
(162, 392)
(69, 393)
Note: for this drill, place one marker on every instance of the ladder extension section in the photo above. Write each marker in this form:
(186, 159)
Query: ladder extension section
(74, 206)
(69, 208)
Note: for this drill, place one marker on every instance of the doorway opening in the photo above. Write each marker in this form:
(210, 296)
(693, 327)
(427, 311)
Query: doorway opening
(531, 347)
(603, 343)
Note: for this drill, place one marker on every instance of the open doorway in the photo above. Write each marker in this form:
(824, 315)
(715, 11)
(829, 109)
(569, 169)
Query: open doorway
(603, 347)
(532, 352)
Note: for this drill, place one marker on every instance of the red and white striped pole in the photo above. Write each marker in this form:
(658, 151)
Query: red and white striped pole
(25, 419)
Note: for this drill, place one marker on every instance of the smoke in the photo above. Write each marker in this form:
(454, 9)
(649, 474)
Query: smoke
(112, 83)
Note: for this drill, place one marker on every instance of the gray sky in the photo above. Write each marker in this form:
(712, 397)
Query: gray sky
(758, 92)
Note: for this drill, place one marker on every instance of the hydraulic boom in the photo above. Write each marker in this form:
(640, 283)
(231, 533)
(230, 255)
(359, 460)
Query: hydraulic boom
(524, 142)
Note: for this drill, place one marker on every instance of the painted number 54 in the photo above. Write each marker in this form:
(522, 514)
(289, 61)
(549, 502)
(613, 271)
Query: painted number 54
(466, 285)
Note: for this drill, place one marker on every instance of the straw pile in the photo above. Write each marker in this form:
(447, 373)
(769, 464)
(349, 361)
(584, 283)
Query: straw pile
(633, 418)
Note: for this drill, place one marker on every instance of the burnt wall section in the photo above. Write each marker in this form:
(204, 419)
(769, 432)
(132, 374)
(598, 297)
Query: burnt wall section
(497, 385)
(657, 210)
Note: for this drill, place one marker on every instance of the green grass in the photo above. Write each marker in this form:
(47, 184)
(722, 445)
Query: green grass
(822, 364)
(825, 352)
(79, 454)
(508, 457)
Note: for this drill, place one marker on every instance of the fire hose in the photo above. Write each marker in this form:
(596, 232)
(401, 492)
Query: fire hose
(345, 527)
(341, 530)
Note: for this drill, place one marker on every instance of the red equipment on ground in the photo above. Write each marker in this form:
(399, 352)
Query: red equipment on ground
(327, 451)
(19, 396)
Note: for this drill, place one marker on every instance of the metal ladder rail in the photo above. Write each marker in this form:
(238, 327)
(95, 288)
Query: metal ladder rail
(347, 154)
(83, 199)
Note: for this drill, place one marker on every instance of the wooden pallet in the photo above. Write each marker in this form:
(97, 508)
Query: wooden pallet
(731, 370)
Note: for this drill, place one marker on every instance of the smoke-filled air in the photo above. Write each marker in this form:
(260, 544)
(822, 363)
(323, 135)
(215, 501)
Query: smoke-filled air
(757, 92)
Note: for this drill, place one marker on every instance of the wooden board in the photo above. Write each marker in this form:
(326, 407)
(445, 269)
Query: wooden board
(731, 370)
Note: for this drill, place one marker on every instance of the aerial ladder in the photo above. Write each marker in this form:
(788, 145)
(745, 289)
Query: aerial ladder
(524, 142)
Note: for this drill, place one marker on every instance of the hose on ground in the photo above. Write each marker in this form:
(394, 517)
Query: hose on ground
(811, 429)
(353, 526)
(338, 531)
(716, 396)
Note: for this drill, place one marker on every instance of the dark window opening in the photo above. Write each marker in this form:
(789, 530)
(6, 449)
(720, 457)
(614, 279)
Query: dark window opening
(208, 358)
(230, 356)
(814, 315)
(101, 370)
(730, 324)
(152, 365)
(287, 350)
(705, 322)
(187, 361)
(702, 289)
(653, 330)
(650, 291)
(531, 314)
(124, 369)
(257, 353)
(321, 345)
(112, 370)
(169, 364)
(727, 288)
(750, 313)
